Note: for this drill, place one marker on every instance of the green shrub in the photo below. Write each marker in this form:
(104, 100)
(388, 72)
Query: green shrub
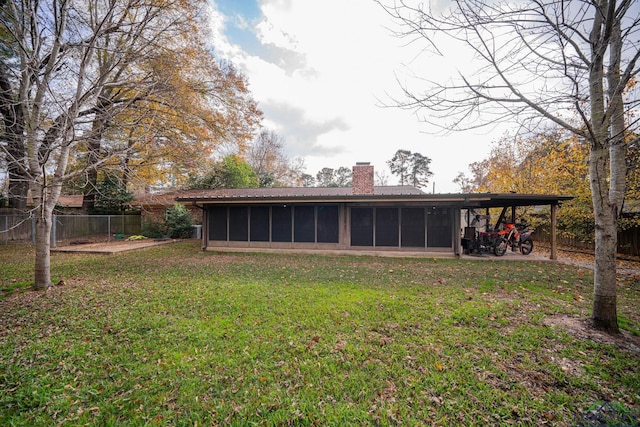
(178, 222)
(153, 229)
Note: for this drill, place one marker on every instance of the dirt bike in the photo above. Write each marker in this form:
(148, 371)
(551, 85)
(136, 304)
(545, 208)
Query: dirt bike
(516, 236)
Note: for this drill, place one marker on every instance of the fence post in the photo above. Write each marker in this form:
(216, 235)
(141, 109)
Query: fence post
(33, 230)
(6, 230)
(109, 228)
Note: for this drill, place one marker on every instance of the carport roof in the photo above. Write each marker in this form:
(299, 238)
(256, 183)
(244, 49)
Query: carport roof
(498, 200)
(381, 194)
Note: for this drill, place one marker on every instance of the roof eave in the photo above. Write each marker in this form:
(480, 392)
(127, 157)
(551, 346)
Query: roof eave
(326, 199)
(464, 200)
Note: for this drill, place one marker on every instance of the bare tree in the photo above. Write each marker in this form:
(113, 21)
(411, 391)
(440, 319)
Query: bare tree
(62, 61)
(559, 61)
(268, 160)
(381, 178)
(464, 182)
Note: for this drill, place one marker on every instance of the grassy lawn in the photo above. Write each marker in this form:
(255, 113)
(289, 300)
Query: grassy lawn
(175, 336)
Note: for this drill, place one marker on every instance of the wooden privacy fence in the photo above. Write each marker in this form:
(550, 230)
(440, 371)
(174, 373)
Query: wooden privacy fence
(21, 227)
(628, 241)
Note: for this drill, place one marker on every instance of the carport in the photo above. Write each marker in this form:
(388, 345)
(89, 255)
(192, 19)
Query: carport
(511, 201)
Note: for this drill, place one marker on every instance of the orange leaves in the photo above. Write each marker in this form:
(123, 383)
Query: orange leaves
(177, 103)
(547, 163)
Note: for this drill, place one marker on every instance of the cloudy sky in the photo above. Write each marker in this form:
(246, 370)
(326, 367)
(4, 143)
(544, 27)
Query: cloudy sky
(322, 71)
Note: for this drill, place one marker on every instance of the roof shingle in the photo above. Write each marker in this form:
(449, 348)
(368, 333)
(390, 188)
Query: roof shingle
(290, 193)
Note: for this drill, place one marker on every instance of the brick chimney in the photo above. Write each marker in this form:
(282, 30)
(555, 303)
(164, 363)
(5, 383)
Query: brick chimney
(362, 178)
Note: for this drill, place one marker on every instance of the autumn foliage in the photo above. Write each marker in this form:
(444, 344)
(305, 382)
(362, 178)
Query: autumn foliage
(551, 162)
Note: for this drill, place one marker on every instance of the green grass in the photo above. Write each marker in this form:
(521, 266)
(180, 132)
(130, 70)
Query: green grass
(175, 336)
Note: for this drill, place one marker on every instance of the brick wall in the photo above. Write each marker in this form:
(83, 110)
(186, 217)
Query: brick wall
(362, 178)
(157, 214)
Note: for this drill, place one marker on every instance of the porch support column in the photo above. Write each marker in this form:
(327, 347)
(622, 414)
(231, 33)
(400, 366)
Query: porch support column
(554, 252)
(456, 232)
(345, 227)
(205, 228)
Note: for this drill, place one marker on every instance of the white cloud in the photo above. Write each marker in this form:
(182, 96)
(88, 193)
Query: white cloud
(319, 71)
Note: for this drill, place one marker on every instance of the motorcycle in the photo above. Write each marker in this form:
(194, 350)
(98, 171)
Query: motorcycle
(516, 236)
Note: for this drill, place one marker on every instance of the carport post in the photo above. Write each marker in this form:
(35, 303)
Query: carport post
(456, 227)
(554, 253)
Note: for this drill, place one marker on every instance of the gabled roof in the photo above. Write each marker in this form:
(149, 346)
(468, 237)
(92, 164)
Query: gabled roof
(72, 201)
(64, 201)
(157, 199)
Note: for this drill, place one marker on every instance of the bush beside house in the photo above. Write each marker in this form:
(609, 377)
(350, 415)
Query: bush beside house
(162, 216)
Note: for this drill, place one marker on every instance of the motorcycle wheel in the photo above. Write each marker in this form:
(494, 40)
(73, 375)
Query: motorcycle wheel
(500, 247)
(526, 247)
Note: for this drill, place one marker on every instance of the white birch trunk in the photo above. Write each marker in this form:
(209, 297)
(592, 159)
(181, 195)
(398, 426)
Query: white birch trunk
(604, 314)
(43, 251)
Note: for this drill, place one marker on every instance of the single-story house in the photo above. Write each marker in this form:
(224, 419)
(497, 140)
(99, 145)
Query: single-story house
(70, 204)
(153, 206)
(360, 218)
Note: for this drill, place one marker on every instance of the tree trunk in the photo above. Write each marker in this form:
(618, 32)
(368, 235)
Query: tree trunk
(43, 253)
(604, 315)
(605, 209)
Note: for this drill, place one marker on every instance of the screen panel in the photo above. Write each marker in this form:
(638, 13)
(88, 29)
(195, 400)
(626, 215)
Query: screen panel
(281, 223)
(387, 233)
(328, 224)
(361, 226)
(413, 227)
(439, 228)
(259, 224)
(218, 223)
(238, 224)
(304, 224)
